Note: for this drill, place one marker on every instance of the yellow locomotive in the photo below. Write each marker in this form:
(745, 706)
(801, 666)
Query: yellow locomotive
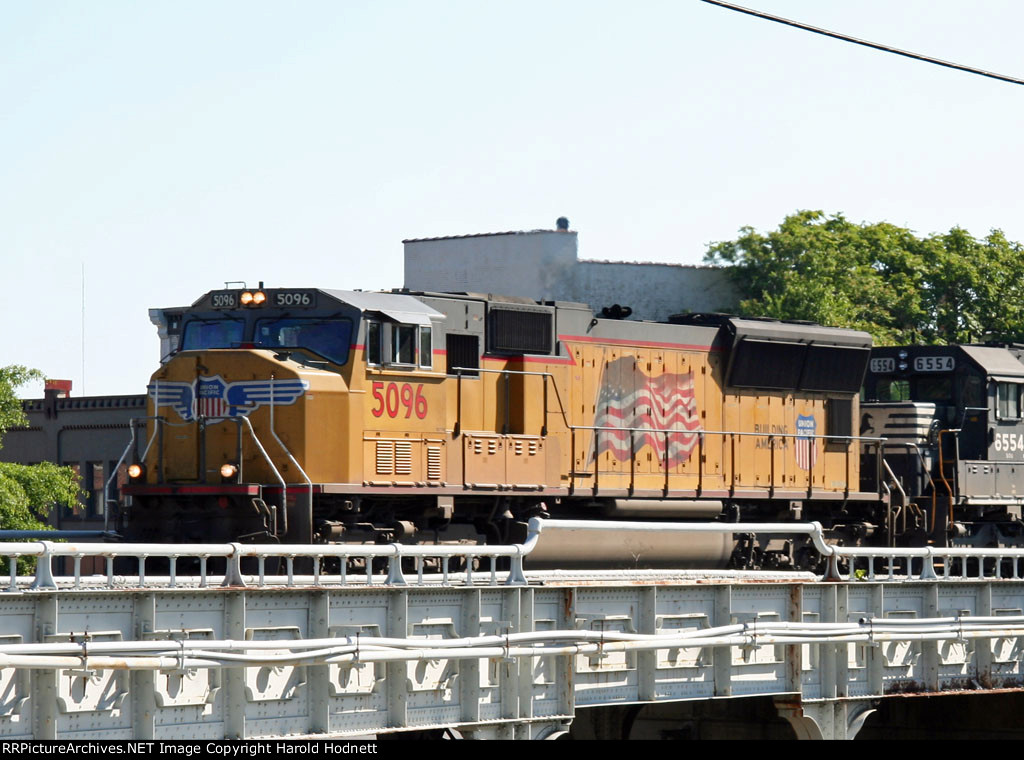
(300, 415)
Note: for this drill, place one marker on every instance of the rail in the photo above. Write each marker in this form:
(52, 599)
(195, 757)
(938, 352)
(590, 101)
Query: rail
(927, 485)
(861, 563)
(954, 489)
(288, 453)
(507, 374)
(190, 564)
(890, 517)
(132, 424)
(847, 440)
(241, 421)
(912, 447)
(323, 565)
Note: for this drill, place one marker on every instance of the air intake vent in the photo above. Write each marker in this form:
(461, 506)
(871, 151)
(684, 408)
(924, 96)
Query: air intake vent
(519, 332)
(385, 458)
(834, 368)
(767, 364)
(433, 463)
(403, 458)
(463, 353)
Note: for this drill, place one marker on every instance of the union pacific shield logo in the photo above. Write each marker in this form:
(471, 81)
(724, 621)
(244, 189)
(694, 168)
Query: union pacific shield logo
(806, 446)
(216, 399)
(210, 401)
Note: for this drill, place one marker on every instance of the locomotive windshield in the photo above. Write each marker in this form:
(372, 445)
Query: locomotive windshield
(330, 338)
(892, 389)
(938, 389)
(326, 337)
(212, 333)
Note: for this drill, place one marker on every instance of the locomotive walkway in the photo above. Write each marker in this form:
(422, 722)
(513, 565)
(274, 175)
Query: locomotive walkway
(218, 646)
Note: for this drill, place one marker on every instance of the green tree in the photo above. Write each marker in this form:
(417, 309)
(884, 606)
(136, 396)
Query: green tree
(27, 492)
(974, 289)
(879, 278)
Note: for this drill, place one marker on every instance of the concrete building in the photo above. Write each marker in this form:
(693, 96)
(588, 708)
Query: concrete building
(544, 265)
(88, 434)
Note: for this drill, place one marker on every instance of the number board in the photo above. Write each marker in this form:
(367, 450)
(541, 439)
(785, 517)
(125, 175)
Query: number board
(934, 363)
(291, 299)
(226, 300)
(883, 365)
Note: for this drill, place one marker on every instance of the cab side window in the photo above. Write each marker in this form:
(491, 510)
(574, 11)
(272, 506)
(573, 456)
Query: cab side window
(374, 352)
(403, 344)
(1008, 401)
(972, 391)
(426, 349)
(398, 344)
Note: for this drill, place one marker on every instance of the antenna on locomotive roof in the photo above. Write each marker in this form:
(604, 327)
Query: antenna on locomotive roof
(83, 328)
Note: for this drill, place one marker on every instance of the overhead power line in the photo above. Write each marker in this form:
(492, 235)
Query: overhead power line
(865, 43)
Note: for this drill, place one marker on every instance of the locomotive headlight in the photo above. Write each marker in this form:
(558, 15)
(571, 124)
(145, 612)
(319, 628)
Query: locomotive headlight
(135, 471)
(903, 366)
(228, 471)
(246, 298)
(903, 355)
(259, 298)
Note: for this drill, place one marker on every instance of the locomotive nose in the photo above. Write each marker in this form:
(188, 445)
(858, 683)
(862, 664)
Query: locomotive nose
(219, 385)
(251, 409)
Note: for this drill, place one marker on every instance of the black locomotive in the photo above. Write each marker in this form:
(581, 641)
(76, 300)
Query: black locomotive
(953, 458)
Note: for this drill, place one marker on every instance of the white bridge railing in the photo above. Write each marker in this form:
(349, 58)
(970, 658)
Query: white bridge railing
(206, 565)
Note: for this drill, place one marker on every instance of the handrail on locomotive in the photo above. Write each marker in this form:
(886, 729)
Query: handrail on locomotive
(455, 417)
(507, 374)
(816, 534)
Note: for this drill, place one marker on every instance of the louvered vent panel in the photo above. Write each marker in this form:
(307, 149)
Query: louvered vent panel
(403, 458)
(385, 458)
(433, 462)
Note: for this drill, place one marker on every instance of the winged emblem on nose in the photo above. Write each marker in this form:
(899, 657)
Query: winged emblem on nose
(213, 398)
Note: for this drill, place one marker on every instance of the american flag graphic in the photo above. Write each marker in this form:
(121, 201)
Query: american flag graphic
(629, 398)
(806, 447)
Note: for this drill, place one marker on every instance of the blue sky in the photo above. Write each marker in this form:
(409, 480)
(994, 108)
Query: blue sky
(168, 147)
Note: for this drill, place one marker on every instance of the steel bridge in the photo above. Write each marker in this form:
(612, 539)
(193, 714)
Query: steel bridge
(231, 641)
